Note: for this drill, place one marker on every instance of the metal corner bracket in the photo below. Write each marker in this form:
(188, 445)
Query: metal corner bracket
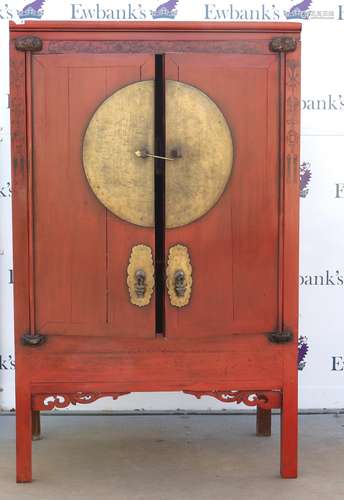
(283, 44)
(33, 340)
(28, 43)
(280, 337)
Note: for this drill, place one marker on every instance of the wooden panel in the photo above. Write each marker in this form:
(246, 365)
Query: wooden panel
(65, 344)
(221, 369)
(19, 192)
(81, 250)
(234, 248)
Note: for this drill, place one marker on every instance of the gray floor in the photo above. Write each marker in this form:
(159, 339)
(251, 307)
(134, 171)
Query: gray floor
(173, 457)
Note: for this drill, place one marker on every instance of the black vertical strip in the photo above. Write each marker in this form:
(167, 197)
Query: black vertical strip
(159, 185)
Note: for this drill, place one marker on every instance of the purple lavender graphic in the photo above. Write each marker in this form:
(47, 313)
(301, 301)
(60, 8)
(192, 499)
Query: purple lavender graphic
(303, 349)
(299, 11)
(305, 177)
(32, 10)
(166, 10)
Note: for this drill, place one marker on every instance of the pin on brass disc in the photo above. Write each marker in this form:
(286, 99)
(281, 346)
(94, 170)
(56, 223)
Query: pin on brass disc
(124, 125)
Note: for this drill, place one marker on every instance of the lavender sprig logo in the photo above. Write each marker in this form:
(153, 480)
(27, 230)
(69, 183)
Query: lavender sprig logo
(303, 349)
(32, 10)
(166, 10)
(305, 177)
(299, 11)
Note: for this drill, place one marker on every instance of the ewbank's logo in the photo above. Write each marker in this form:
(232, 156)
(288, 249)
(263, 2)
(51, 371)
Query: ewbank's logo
(305, 177)
(302, 352)
(6, 190)
(299, 11)
(32, 10)
(7, 362)
(166, 10)
(326, 278)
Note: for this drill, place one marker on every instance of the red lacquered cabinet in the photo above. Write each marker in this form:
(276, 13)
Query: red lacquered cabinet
(155, 212)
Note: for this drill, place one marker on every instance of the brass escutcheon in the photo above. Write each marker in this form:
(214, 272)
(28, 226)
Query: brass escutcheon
(140, 275)
(179, 276)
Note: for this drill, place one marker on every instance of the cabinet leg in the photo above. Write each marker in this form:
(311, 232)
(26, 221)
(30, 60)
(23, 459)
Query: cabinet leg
(36, 425)
(23, 436)
(289, 437)
(263, 427)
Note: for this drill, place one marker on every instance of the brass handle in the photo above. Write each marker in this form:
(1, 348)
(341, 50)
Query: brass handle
(143, 153)
(140, 283)
(179, 283)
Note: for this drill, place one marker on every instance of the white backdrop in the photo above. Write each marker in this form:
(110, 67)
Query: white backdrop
(321, 346)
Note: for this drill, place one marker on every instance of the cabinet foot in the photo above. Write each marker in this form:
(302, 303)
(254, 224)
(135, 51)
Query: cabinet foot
(36, 425)
(263, 425)
(24, 436)
(289, 425)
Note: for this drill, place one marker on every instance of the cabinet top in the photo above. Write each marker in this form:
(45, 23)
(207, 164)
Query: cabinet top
(165, 26)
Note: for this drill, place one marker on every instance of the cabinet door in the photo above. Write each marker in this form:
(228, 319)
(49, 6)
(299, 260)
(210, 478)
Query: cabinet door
(81, 249)
(233, 247)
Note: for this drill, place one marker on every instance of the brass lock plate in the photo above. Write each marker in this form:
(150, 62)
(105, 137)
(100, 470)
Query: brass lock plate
(179, 276)
(197, 138)
(140, 275)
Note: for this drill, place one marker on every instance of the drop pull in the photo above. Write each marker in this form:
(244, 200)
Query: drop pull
(179, 283)
(140, 283)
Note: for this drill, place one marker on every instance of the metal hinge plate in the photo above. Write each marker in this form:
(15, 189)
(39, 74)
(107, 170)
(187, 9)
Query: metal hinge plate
(28, 43)
(280, 337)
(33, 340)
(283, 44)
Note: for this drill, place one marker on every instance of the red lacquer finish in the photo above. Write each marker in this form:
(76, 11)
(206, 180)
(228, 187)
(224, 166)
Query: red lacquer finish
(71, 254)
(234, 247)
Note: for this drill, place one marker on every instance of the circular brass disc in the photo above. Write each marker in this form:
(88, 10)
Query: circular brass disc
(196, 126)
(124, 183)
(123, 124)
